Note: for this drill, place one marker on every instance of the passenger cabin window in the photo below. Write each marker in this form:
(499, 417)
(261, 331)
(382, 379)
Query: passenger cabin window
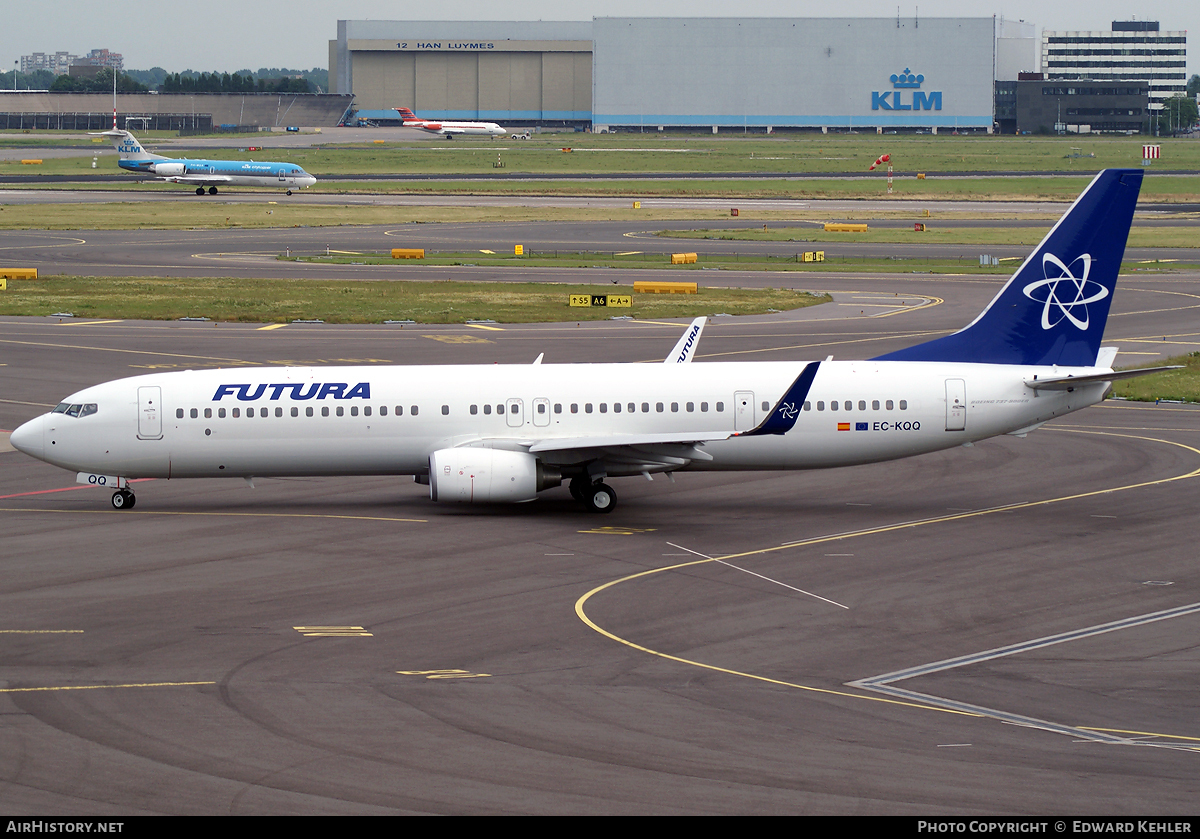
(279, 412)
(324, 410)
(487, 409)
(295, 411)
(413, 410)
(903, 404)
(474, 410)
(341, 412)
(720, 407)
(179, 413)
(220, 413)
(889, 404)
(616, 408)
(445, 410)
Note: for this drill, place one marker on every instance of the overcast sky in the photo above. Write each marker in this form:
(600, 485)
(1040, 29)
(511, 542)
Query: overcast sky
(227, 36)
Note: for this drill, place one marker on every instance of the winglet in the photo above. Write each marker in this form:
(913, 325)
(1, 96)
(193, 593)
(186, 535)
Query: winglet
(783, 416)
(685, 348)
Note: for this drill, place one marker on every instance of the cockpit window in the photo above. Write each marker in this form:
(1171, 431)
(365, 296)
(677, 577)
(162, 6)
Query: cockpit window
(76, 410)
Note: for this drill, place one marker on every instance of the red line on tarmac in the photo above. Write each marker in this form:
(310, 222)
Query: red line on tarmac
(66, 489)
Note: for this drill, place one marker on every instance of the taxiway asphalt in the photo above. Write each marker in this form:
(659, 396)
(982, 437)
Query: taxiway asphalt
(713, 646)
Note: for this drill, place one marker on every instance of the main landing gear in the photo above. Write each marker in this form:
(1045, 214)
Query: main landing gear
(123, 499)
(597, 498)
(212, 190)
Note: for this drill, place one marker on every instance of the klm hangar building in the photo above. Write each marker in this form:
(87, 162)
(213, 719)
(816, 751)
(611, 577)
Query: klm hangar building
(717, 74)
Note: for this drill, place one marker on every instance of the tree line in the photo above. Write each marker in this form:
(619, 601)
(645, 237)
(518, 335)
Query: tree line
(266, 80)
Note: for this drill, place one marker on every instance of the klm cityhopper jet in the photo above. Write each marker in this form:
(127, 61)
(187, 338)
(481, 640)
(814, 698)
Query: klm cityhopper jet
(205, 173)
(503, 433)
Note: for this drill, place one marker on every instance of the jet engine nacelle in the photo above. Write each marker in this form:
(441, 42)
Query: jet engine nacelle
(170, 170)
(472, 475)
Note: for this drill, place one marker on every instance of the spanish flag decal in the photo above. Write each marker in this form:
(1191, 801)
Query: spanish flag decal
(843, 426)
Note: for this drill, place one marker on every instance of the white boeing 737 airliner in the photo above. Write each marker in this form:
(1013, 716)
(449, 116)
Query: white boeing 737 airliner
(204, 173)
(503, 433)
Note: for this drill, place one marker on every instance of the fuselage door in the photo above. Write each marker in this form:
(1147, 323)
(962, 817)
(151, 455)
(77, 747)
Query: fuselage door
(149, 413)
(515, 412)
(743, 411)
(956, 405)
(541, 411)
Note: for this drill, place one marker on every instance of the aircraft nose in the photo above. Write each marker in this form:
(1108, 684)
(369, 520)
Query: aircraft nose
(28, 438)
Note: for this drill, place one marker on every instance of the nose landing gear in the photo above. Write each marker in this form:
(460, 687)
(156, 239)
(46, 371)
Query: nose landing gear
(123, 499)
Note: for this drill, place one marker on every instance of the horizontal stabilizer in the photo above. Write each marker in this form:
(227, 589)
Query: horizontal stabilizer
(1072, 382)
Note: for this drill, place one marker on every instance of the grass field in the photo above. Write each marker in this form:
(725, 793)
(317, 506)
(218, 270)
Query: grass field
(1139, 237)
(1181, 385)
(635, 260)
(610, 156)
(281, 301)
(212, 212)
(599, 154)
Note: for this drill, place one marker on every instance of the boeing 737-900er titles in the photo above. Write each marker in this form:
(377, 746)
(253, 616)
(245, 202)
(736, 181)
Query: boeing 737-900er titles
(503, 433)
(205, 173)
(449, 129)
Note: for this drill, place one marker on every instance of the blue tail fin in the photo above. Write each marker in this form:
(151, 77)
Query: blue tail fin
(1053, 310)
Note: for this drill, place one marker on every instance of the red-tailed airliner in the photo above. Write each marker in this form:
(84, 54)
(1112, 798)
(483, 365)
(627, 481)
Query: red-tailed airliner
(449, 129)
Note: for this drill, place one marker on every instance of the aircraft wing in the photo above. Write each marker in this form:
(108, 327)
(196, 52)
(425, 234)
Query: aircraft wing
(617, 441)
(1070, 382)
(197, 180)
(618, 454)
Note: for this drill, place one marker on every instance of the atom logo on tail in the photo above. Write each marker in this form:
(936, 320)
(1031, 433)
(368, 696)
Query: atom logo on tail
(1065, 296)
